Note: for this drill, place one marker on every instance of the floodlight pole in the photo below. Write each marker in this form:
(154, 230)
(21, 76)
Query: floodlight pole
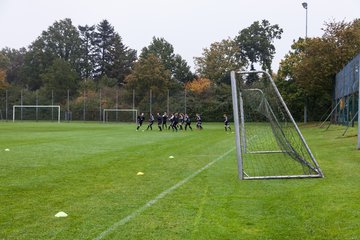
(305, 5)
(150, 100)
(6, 104)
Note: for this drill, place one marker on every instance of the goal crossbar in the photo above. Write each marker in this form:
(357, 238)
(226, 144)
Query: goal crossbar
(36, 106)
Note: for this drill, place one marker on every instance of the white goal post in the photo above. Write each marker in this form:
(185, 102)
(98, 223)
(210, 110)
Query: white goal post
(268, 141)
(107, 110)
(36, 106)
(359, 109)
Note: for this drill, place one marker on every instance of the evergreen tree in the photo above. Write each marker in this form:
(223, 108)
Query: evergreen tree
(112, 58)
(104, 41)
(87, 60)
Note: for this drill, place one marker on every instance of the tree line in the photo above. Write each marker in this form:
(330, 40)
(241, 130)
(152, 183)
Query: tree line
(92, 57)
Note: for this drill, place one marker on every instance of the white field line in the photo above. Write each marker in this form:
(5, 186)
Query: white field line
(158, 197)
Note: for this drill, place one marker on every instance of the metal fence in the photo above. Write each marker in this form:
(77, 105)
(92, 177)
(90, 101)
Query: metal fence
(88, 105)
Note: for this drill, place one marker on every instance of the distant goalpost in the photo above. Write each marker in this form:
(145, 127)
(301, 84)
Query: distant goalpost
(268, 141)
(114, 111)
(36, 107)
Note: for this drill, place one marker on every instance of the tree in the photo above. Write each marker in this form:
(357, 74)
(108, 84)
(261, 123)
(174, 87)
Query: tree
(4, 62)
(182, 72)
(15, 64)
(59, 78)
(61, 40)
(149, 73)
(112, 57)
(87, 48)
(3, 83)
(218, 60)
(312, 65)
(198, 85)
(124, 58)
(256, 43)
(104, 41)
(164, 51)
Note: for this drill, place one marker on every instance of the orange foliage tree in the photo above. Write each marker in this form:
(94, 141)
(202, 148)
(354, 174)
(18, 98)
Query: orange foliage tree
(3, 83)
(198, 85)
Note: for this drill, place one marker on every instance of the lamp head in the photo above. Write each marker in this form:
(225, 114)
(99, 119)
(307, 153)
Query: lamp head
(305, 5)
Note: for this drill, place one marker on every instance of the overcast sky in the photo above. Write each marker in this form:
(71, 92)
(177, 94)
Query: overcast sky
(189, 25)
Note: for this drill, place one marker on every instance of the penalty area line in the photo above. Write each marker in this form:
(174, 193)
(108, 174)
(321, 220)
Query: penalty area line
(158, 197)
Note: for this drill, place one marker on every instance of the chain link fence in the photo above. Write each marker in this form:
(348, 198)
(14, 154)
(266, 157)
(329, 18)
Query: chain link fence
(89, 105)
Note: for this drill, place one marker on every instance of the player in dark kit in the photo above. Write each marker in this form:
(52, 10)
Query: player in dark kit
(175, 122)
(187, 122)
(159, 120)
(181, 121)
(140, 120)
(198, 122)
(151, 121)
(171, 120)
(226, 123)
(164, 119)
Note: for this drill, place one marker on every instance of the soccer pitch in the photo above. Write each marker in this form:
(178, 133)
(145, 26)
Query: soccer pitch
(89, 171)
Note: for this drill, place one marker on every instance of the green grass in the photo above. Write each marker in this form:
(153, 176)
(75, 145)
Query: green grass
(89, 171)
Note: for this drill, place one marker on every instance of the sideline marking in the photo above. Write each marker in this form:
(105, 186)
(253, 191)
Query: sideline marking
(158, 197)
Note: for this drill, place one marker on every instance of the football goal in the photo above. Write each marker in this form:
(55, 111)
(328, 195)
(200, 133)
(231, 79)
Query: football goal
(120, 115)
(36, 112)
(269, 143)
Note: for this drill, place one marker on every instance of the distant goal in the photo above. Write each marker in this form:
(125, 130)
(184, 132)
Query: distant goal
(36, 112)
(119, 115)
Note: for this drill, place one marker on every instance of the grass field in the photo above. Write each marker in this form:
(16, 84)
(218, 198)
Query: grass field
(89, 171)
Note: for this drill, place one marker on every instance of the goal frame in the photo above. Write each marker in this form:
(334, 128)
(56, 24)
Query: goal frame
(358, 146)
(119, 110)
(36, 106)
(239, 123)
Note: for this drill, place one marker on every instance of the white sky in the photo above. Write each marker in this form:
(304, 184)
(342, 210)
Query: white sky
(189, 25)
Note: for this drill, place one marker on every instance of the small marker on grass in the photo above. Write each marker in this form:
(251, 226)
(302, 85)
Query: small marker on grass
(171, 156)
(140, 173)
(61, 214)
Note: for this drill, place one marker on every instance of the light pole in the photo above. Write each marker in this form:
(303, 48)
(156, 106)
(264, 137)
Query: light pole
(305, 5)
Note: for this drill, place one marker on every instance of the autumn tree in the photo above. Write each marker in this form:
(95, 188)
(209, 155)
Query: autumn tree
(311, 65)
(218, 60)
(15, 64)
(149, 73)
(4, 62)
(198, 85)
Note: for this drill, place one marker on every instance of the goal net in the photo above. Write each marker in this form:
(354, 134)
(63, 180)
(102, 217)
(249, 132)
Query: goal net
(269, 143)
(36, 112)
(120, 115)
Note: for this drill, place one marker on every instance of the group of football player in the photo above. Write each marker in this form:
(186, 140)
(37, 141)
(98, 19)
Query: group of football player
(177, 121)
